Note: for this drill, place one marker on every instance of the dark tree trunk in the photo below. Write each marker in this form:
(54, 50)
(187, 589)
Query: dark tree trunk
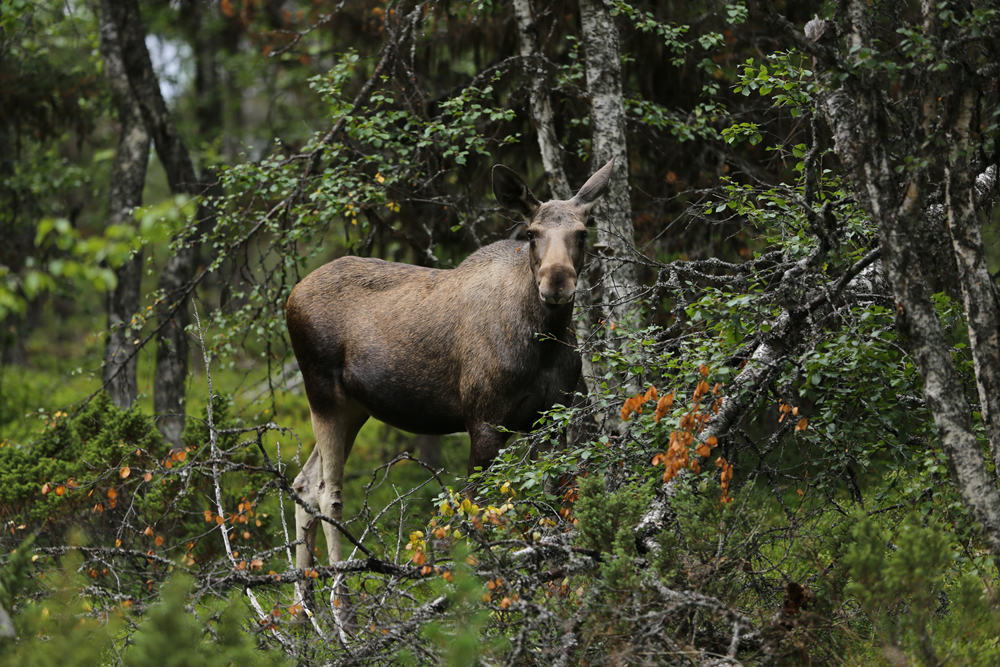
(429, 450)
(128, 176)
(176, 279)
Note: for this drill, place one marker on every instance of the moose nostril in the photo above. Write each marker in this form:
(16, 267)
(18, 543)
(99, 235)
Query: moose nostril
(557, 286)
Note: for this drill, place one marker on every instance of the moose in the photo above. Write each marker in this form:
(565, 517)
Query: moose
(489, 343)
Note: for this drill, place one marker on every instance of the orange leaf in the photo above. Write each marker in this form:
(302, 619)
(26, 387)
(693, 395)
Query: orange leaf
(148, 476)
(802, 425)
(125, 472)
(148, 532)
(703, 450)
(662, 406)
(712, 441)
(112, 493)
(60, 490)
(219, 520)
(700, 390)
(45, 489)
(158, 541)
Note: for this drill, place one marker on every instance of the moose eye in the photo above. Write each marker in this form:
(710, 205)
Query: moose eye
(581, 237)
(531, 235)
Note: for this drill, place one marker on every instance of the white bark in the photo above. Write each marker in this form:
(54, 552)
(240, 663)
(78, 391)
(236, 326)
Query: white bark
(542, 117)
(615, 230)
(855, 117)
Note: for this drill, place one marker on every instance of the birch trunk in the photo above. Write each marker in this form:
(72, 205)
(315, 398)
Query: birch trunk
(542, 117)
(128, 177)
(978, 289)
(856, 118)
(615, 229)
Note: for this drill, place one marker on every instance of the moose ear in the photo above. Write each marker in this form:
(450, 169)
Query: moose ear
(594, 188)
(512, 193)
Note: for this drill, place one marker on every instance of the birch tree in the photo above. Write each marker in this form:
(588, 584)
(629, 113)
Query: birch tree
(906, 100)
(615, 231)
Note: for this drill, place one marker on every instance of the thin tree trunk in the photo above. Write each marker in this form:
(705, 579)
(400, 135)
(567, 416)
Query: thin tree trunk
(172, 344)
(616, 230)
(978, 289)
(128, 176)
(429, 450)
(542, 117)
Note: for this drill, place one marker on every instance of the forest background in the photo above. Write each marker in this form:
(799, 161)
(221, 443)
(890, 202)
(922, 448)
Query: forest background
(789, 322)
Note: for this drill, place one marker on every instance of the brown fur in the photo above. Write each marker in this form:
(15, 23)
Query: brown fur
(490, 343)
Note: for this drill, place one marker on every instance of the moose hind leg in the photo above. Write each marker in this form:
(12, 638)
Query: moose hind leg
(307, 485)
(335, 433)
